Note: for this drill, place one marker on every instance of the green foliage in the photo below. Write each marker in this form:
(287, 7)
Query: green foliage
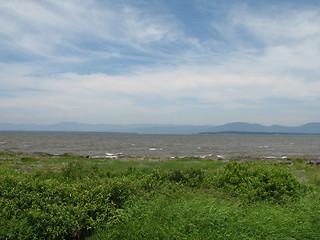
(190, 176)
(205, 215)
(74, 171)
(298, 160)
(183, 199)
(316, 181)
(28, 160)
(255, 182)
(79, 170)
(120, 190)
(33, 206)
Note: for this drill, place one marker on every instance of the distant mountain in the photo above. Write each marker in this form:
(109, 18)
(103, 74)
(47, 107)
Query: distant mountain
(229, 128)
(240, 127)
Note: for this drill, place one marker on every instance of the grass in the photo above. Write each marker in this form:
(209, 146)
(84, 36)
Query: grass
(71, 197)
(207, 216)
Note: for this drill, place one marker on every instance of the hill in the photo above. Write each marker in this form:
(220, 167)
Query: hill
(229, 128)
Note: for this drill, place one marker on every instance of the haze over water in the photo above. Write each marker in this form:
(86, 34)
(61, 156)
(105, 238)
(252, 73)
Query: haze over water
(136, 145)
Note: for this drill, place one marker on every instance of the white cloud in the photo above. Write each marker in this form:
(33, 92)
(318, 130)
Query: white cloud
(279, 61)
(144, 27)
(44, 28)
(214, 86)
(288, 27)
(112, 96)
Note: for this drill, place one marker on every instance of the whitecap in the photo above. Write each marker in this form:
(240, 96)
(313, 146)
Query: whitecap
(112, 155)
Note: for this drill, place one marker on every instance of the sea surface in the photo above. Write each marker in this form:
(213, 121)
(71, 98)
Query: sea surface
(167, 146)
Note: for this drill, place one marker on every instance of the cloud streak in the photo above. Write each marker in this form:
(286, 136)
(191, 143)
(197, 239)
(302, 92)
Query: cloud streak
(111, 62)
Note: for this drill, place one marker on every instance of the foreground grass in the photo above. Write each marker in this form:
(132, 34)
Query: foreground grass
(69, 197)
(206, 216)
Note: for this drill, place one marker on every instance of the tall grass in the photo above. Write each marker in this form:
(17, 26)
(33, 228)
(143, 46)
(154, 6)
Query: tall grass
(207, 216)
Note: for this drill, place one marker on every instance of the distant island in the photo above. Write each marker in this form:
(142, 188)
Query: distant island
(255, 133)
(229, 128)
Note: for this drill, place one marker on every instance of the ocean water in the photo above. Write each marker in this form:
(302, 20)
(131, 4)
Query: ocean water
(167, 146)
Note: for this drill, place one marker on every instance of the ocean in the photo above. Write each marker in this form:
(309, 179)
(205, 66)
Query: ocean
(163, 146)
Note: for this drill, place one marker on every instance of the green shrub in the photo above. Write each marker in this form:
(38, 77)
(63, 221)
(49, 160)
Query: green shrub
(298, 160)
(316, 180)
(75, 200)
(74, 170)
(120, 190)
(36, 207)
(28, 160)
(190, 176)
(254, 182)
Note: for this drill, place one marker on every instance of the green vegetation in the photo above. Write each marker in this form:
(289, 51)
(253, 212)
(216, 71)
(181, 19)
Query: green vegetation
(70, 197)
(252, 182)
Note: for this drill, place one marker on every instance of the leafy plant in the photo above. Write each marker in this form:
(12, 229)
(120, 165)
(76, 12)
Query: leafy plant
(190, 176)
(37, 207)
(254, 182)
(184, 199)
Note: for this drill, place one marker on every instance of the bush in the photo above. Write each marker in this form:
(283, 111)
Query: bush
(120, 190)
(255, 182)
(191, 176)
(36, 207)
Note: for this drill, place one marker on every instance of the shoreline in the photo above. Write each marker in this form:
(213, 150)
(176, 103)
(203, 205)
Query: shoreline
(311, 159)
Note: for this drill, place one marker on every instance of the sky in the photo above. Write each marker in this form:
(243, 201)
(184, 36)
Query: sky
(199, 62)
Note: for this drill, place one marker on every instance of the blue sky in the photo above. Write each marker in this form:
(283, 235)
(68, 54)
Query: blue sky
(162, 61)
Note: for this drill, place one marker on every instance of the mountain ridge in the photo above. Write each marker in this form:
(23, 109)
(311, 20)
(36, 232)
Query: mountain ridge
(235, 127)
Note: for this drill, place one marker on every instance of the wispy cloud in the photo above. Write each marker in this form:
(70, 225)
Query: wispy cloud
(60, 30)
(107, 61)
